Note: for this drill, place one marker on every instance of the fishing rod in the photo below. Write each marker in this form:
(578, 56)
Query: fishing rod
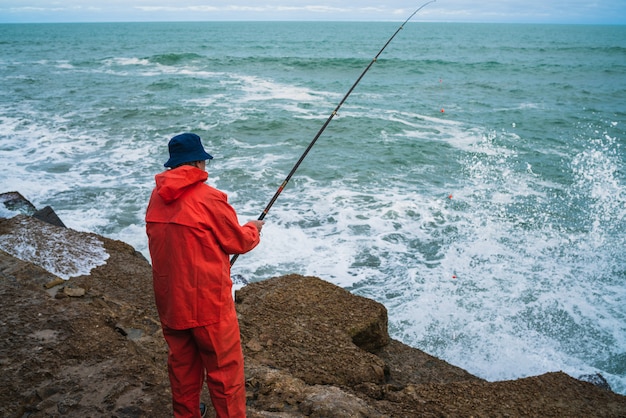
(332, 115)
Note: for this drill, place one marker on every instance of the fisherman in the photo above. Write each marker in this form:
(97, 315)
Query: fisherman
(191, 230)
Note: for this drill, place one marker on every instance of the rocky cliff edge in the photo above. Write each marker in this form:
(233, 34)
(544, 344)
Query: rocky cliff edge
(91, 346)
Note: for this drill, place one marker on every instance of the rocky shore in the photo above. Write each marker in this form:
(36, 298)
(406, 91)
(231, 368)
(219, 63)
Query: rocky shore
(91, 346)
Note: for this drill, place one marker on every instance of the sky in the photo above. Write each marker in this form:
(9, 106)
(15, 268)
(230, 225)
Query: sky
(502, 11)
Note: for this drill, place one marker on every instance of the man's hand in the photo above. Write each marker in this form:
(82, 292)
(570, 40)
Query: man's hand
(258, 224)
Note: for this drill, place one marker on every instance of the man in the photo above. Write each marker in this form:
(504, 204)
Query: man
(191, 232)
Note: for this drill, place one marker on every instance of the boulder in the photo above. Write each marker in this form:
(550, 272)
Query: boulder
(321, 333)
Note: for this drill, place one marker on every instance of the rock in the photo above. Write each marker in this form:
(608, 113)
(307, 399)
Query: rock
(62, 251)
(311, 349)
(65, 354)
(14, 201)
(330, 401)
(596, 379)
(48, 215)
(54, 283)
(314, 349)
(74, 292)
(279, 392)
(323, 334)
(238, 279)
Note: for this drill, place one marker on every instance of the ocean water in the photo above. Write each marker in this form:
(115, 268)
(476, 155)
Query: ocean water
(473, 182)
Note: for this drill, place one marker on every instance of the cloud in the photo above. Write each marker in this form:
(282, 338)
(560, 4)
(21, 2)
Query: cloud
(539, 11)
(267, 9)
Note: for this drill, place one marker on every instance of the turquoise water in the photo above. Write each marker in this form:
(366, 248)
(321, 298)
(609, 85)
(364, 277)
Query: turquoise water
(473, 182)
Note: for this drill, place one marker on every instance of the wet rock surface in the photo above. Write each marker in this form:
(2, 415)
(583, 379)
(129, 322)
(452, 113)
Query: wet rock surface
(91, 346)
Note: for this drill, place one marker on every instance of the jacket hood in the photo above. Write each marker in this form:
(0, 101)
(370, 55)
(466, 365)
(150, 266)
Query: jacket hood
(171, 184)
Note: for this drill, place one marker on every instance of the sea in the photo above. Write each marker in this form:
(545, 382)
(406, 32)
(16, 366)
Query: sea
(473, 181)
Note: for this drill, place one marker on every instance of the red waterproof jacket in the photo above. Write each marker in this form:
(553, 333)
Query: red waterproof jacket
(191, 232)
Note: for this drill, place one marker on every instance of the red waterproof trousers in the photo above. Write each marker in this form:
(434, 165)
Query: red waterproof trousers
(213, 349)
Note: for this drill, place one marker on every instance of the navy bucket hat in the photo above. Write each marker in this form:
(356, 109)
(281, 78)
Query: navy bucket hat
(186, 148)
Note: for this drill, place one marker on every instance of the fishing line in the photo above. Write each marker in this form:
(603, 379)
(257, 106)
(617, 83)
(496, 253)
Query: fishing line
(332, 115)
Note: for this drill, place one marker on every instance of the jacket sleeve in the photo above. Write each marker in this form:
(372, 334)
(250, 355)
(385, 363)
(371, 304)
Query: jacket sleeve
(230, 235)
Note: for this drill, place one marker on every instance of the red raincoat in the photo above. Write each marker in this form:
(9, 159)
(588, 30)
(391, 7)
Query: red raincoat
(192, 230)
